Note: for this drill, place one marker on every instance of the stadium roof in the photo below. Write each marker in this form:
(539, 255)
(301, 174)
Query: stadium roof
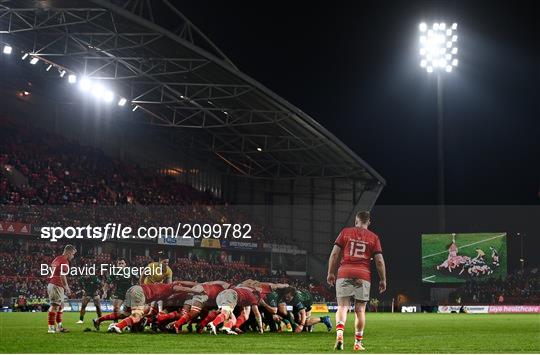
(179, 80)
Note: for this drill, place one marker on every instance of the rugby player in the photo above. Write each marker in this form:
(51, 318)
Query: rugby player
(119, 284)
(91, 286)
(58, 287)
(357, 246)
(140, 295)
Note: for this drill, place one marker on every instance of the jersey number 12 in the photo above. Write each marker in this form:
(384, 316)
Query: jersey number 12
(357, 249)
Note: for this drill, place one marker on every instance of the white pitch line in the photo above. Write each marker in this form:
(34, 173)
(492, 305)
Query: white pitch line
(426, 279)
(466, 245)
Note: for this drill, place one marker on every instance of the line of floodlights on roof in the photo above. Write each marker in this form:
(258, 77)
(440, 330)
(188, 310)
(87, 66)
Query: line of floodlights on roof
(93, 87)
(96, 89)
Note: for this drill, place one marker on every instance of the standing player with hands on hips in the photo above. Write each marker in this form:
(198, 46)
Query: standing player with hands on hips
(355, 247)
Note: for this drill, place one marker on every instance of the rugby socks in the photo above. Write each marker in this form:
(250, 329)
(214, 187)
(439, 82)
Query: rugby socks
(51, 319)
(125, 322)
(340, 327)
(228, 324)
(358, 336)
(210, 317)
(219, 319)
(59, 317)
(167, 317)
(187, 316)
(239, 321)
(81, 314)
(112, 316)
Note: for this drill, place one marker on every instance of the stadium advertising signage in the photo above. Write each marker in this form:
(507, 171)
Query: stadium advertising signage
(184, 242)
(233, 244)
(465, 309)
(15, 228)
(514, 309)
(456, 258)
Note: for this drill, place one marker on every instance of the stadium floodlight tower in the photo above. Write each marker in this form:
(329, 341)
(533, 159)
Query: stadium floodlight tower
(438, 55)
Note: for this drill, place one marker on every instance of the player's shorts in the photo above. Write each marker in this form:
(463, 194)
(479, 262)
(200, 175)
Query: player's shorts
(202, 299)
(135, 297)
(56, 294)
(357, 288)
(227, 298)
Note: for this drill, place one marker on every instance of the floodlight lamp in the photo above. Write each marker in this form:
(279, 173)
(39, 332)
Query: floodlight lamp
(108, 96)
(85, 84)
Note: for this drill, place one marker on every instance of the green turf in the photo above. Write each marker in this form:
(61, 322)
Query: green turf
(435, 251)
(385, 333)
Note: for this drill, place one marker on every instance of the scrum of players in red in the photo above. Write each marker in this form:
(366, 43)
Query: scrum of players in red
(213, 306)
(168, 306)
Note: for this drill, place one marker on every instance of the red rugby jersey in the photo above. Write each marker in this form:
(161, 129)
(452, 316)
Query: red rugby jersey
(156, 292)
(359, 245)
(60, 263)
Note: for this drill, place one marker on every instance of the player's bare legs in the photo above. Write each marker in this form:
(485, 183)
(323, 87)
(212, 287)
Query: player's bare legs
(227, 317)
(114, 316)
(359, 323)
(137, 314)
(189, 312)
(82, 312)
(242, 318)
(341, 318)
(97, 303)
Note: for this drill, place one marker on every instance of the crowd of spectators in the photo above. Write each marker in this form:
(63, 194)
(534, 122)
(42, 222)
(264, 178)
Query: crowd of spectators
(520, 287)
(62, 183)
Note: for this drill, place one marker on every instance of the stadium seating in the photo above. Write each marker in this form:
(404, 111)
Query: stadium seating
(58, 173)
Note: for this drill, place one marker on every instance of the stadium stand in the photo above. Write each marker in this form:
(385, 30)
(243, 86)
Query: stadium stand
(57, 172)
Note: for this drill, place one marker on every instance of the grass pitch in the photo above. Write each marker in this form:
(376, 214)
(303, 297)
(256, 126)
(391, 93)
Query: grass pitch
(385, 333)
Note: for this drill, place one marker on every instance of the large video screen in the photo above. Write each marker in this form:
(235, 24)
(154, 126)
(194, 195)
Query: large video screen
(457, 257)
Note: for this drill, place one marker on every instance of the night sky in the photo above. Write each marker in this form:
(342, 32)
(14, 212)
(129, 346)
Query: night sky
(353, 66)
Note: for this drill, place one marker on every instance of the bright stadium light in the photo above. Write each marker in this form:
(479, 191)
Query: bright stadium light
(25, 55)
(85, 84)
(34, 60)
(7, 49)
(49, 67)
(72, 78)
(438, 51)
(435, 43)
(62, 73)
(98, 90)
(122, 101)
(108, 96)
